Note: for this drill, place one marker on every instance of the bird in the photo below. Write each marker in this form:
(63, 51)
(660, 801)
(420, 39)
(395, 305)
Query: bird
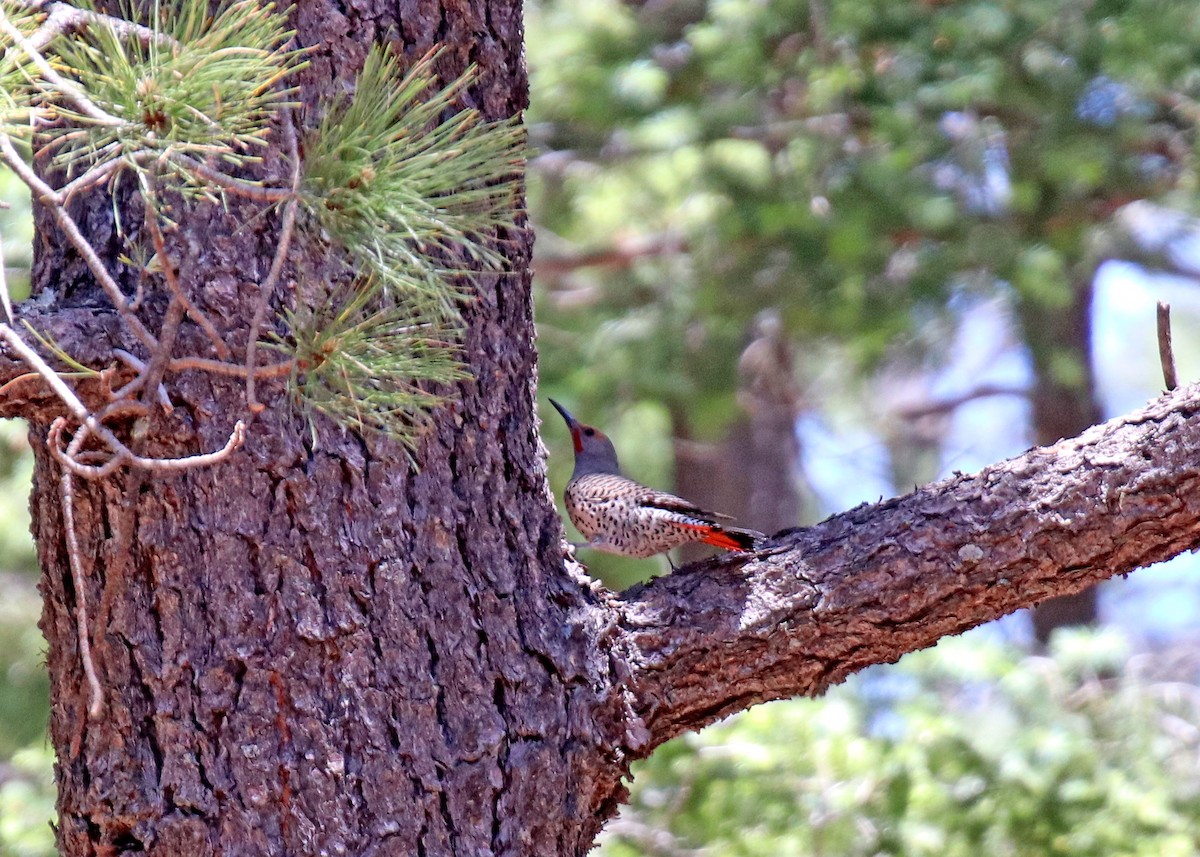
(618, 515)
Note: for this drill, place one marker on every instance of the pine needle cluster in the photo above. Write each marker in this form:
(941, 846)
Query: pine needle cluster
(415, 191)
(406, 183)
(414, 188)
(368, 363)
(15, 80)
(203, 85)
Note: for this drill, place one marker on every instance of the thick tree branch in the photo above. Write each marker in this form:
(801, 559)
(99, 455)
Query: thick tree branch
(873, 583)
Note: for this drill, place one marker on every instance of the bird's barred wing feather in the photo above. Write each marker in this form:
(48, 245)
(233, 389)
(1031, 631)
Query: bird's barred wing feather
(670, 503)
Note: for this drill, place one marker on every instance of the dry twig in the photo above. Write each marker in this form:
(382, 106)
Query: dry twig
(238, 187)
(1166, 353)
(70, 90)
(918, 410)
(64, 18)
(267, 287)
(75, 561)
(150, 204)
(201, 364)
(133, 386)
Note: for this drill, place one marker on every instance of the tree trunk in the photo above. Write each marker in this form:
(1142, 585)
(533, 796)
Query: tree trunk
(316, 649)
(313, 648)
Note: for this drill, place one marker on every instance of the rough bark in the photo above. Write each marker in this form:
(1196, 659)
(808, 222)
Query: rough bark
(316, 649)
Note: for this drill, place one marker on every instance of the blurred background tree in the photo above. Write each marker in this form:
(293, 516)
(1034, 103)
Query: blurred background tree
(26, 779)
(969, 748)
(794, 255)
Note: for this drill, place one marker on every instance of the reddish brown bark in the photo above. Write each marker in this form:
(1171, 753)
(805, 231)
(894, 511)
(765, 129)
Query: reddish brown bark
(317, 649)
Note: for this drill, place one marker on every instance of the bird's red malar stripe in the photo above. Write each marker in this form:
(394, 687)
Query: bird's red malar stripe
(720, 538)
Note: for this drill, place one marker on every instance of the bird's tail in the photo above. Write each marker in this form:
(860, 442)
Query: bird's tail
(731, 538)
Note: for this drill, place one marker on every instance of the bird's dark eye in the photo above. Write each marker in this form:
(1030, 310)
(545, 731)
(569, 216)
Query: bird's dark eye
(590, 432)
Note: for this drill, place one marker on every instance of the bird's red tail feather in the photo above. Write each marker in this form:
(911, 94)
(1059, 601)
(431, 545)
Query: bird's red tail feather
(729, 538)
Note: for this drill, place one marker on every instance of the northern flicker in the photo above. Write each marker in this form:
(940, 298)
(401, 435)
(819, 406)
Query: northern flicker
(620, 516)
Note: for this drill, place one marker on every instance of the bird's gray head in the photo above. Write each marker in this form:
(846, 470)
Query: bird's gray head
(594, 452)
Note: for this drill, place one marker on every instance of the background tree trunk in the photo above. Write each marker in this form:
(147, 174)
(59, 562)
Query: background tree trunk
(755, 473)
(1064, 405)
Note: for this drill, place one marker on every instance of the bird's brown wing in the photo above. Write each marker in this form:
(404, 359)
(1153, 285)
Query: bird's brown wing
(704, 522)
(671, 503)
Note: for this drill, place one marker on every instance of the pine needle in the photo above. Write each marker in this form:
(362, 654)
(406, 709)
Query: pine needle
(369, 363)
(416, 190)
(209, 87)
(413, 196)
(16, 78)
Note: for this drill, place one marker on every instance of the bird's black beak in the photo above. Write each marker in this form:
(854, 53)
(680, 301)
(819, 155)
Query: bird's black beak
(566, 415)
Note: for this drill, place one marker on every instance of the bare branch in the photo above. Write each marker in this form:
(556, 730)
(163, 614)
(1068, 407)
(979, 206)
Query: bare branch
(1166, 354)
(166, 465)
(873, 583)
(66, 394)
(75, 560)
(168, 269)
(71, 460)
(253, 191)
(647, 838)
(943, 406)
(177, 307)
(65, 19)
(98, 174)
(35, 361)
(267, 287)
(133, 386)
(235, 370)
(238, 187)
(69, 457)
(621, 254)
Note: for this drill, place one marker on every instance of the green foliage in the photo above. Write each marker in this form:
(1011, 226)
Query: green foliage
(14, 79)
(206, 85)
(364, 366)
(17, 222)
(835, 169)
(26, 761)
(27, 804)
(407, 189)
(26, 772)
(24, 685)
(416, 194)
(967, 749)
(16, 471)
